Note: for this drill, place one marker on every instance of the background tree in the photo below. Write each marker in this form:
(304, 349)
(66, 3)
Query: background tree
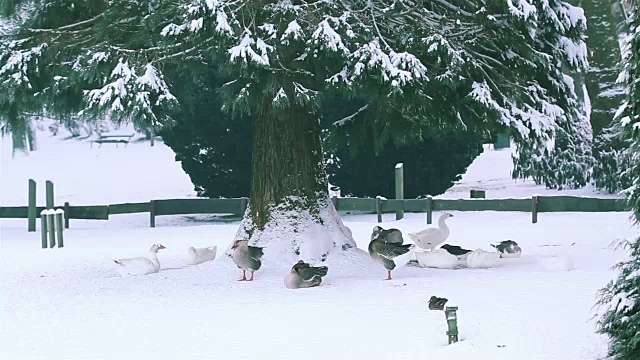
(610, 168)
(213, 147)
(360, 164)
(473, 65)
(619, 301)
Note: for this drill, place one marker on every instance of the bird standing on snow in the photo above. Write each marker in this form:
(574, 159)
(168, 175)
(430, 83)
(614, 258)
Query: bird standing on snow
(140, 265)
(386, 248)
(429, 238)
(303, 275)
(200, 255)
(246, 258)
(388, 235)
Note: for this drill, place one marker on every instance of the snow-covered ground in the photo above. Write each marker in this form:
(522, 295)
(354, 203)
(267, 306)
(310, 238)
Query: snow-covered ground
(83, 174)
(70, 303)
(491, 171)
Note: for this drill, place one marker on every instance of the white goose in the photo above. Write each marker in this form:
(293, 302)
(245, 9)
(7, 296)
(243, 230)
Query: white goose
(429, 238)
(140, 265)
(200, 255)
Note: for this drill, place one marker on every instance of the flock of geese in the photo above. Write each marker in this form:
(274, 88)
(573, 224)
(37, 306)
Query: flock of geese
(386, 248)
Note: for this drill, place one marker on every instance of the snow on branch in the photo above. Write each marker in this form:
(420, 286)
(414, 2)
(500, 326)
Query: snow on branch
(351, 117)
(396, 68)
(293, 31)
(327, 36)
(245, 50)
(132, 94)
(576, 52)
(523, 9)
(16, 66)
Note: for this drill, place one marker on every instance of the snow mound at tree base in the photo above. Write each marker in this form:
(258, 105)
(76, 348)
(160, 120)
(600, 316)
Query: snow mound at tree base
(294, 233)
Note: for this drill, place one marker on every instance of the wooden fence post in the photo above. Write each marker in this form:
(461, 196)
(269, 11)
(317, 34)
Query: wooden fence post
(400, 188)
(67, 209)
(152, 213)
(31, 212)
(429, 210)
(43, 228)
(334, 200)
(379, 208)
(51, 227)
(452, 323)
(49, 194)
(59, 215)
(534, 209)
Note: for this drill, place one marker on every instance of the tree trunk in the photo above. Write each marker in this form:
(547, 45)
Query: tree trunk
(290, 213)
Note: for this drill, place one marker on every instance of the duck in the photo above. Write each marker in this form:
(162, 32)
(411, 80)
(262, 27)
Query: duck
(389, 235)
(140, 265)
(480, 259)
(508, 249)
(200, 255)
(439, 259)
(429, 238)
(437, 303)
(303, 275)
(246, 258)
(456, 250)
(389, 250)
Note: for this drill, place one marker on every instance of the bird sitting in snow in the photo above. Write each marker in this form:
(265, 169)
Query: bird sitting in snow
(429, 238)
(246, 258)
(303, 275)
(437, 303)
(140, 265)
(200, 255)
(386, 248)
(480, 259)
(458, 251)
(508, 249)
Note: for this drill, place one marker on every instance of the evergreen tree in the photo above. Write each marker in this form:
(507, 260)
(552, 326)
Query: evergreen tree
(463, 65)
(619, 300)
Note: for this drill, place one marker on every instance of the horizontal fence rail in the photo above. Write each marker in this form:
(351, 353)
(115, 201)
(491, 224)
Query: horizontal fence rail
(237, 206)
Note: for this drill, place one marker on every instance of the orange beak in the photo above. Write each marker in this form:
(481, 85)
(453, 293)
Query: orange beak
(162, 247)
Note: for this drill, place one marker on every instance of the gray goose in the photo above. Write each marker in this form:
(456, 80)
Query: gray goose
(386, 247)
(303, 275)
(246, 258)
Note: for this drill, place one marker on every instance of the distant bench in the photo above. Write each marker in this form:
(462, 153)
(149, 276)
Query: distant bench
(114, 139)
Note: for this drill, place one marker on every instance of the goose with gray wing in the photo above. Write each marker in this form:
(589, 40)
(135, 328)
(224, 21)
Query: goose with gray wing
(246, 258)
(508, 249)
(388, 235)
(303, 275)
(386, 248)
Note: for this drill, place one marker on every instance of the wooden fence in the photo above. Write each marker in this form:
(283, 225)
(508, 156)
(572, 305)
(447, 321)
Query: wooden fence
(238, 206)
